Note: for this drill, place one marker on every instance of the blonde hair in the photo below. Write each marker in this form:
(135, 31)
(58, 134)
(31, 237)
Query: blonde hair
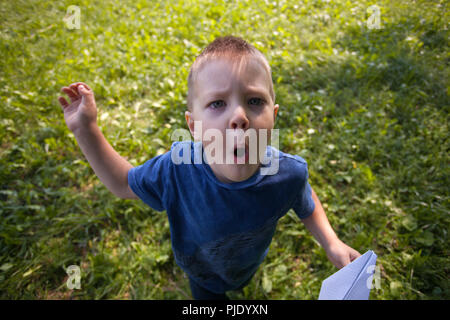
(233, 48)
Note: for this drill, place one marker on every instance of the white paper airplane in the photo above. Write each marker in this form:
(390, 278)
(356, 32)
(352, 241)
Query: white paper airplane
(352, 282)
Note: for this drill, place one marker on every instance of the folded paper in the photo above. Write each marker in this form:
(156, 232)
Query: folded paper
(352, 282)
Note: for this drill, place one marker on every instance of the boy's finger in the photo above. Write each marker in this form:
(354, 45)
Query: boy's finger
(72, 95)
(74, 86)
(63, 102)
(85, 92)
(345, 261)
(354, 255)
(86, 86)
(82, 90)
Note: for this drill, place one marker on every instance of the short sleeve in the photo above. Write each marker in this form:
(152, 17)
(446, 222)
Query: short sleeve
(304, 204)
(149, 180)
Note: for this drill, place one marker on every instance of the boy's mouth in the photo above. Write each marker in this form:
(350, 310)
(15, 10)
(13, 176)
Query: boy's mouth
(241, 154)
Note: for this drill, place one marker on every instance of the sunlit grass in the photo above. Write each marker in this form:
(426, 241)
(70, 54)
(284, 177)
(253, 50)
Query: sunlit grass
(368, 109)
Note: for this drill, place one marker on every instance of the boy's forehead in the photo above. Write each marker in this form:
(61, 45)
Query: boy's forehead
(217, 75)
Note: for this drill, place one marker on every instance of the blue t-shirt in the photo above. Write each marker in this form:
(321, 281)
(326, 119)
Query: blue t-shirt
(221, 232)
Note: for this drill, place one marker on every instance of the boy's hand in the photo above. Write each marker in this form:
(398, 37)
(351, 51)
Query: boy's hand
(82, 111)
(341, 254)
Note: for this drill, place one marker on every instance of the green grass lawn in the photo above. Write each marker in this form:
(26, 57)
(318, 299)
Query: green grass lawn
(368, 109)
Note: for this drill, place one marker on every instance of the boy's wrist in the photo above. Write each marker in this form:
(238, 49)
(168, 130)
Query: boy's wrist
(329, 243)
(89, 129)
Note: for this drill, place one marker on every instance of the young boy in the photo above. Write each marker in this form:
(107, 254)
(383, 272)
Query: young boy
(222, 214)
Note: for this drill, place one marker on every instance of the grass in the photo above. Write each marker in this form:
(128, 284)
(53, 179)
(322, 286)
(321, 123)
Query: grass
(367, 108)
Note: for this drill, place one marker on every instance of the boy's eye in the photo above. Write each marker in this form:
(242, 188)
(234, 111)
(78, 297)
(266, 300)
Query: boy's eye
(220, 103)
(256, 101)
(217, 104)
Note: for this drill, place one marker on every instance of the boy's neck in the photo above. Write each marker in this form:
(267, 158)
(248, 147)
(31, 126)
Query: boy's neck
(222, 178)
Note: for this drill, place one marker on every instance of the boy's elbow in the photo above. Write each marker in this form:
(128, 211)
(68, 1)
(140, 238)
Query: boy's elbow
(128, 194)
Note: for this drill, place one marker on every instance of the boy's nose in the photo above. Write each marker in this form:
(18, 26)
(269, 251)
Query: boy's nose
(239, 119)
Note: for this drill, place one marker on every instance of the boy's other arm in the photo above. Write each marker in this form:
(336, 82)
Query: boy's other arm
(317, 223)
(108, 165)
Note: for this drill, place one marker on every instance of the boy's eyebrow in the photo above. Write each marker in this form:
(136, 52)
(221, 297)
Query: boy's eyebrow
(257, 90)
(249, 90)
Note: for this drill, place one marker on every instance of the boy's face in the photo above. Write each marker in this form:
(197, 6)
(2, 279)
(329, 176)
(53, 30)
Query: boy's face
(230, 96)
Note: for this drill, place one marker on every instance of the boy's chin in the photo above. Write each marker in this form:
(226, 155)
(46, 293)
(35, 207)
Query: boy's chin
(238, 172)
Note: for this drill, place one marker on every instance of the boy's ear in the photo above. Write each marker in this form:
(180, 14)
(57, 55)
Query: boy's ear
(189, 121)
(275, 109)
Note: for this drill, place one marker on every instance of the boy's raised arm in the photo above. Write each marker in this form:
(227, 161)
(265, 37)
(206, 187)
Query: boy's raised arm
(107, 164)
(81, 118)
